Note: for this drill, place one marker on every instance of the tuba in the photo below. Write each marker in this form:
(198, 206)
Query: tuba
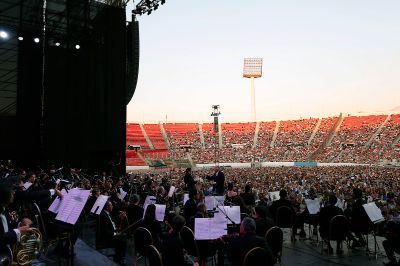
(28, 248)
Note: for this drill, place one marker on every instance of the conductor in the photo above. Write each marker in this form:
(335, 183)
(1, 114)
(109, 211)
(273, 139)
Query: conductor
(219, 181)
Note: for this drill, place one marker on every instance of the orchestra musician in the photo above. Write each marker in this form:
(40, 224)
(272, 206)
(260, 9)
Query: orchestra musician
(10, 232)
(189, 180)
(109, 236)
(325, 215)
(247, 241)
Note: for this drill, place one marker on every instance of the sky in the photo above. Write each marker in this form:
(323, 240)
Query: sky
(321, 58)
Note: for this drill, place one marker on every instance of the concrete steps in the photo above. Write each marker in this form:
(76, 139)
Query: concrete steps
(315, 130)
(256, 131)
(203, 145)
(275, 134)
(377, 132)
(165, 136)
(146, 137)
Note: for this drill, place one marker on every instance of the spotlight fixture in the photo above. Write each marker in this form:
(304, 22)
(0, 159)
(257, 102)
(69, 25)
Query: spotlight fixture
(155, 6)
(57, 44)
(149, 12)
(3, 34)
(77, 47)
(147, 6)
(20, 38)
(36, 40)
(162, 2)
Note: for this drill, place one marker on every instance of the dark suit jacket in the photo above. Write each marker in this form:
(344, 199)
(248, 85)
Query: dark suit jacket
(262, 226)
(189, 209)
(134, 213)
(172, 250)
(359, 218)
(240, 246)
(279, 203)
(189, 182)
(105, 233)
(325, 216)
(219, 179)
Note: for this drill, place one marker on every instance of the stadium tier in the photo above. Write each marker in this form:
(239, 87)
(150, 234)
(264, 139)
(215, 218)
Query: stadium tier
(344, 139)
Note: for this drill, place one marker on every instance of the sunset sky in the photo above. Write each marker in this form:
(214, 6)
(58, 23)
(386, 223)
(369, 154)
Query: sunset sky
(320, 58)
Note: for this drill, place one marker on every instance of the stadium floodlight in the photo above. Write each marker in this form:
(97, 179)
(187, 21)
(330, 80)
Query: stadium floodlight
(3, 34)
(36, 40)
(77, 47)
(20, 38)
(252, 69)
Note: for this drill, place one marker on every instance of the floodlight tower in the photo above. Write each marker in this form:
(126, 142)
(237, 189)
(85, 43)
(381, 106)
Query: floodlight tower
(216, 113)
(252, 69)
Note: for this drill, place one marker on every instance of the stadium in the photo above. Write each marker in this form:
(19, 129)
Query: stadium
(357, 140)
(276, 141)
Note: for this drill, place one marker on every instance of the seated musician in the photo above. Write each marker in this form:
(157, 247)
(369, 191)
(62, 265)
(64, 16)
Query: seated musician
(173, 253)
(108, 234)
(263, 222)
(248, 196)
(392, 242)
(134, 211)
(359, 221)
(10, 232)
(247, 241)
(150, 223)
(230, 194)
(190, 207)
(325, 216)
(283, 201)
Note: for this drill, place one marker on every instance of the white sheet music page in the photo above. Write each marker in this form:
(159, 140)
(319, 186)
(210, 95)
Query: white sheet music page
(373, 212)
(72, 206)
(209, 228)
(313, 206)
(171, 191)
(210, 202)
(149, 200)
(160, 211)
(274, 195)
(55, 206)
(27, 185)
(122, 194)
(185, 198)
(99, 204)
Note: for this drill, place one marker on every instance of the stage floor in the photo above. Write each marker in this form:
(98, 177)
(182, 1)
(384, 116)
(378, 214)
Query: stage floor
(301, 252)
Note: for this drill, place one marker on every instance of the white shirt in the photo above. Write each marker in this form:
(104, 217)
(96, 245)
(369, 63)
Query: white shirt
(113, 224)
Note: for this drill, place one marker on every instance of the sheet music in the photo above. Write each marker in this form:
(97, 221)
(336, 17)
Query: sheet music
(160, 211)
(122, 194)
(72, 206)
(210, 202)
(171, 191)
(185, 198)
(27, 185)
(99, 204)
(233, 212)
(219, 200)
(274, 195)
(149, 200)
(373, 212)
(340, 204)
(209, 228)
(55, 206)
(313, 206)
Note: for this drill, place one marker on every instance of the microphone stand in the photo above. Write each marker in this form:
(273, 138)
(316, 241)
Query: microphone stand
(224, 212)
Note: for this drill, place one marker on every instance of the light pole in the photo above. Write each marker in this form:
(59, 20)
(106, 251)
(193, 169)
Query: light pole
(252, 69)
(216, 113)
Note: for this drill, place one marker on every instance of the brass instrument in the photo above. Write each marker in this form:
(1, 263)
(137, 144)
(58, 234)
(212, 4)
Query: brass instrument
(28, 248)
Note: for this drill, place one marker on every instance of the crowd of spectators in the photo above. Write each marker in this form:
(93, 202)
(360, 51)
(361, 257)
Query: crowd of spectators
(294, 141)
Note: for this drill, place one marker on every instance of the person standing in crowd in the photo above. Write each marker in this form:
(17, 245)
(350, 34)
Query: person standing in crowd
(219, 181)
(189, 180)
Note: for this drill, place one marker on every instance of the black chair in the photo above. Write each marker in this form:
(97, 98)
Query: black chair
(285, 218)
(339, 228)
(255, 257)
(154, 256)
(189, 243)
(274, 237)
(142, 239)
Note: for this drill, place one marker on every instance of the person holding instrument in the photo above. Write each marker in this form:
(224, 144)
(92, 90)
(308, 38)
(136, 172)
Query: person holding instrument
(109, 236)
(10, 232)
